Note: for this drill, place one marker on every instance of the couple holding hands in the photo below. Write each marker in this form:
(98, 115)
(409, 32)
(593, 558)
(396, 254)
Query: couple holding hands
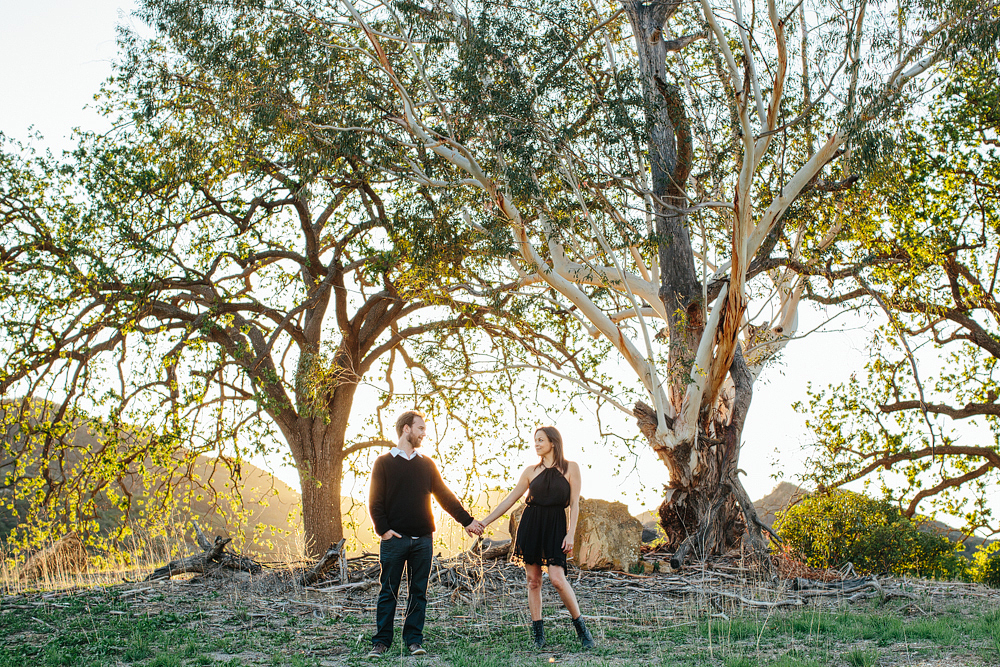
(402, 484)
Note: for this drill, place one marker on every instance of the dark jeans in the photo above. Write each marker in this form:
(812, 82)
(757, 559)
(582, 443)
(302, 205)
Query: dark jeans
(393, 554)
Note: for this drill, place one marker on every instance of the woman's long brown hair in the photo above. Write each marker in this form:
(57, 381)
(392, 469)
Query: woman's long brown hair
(559, 461)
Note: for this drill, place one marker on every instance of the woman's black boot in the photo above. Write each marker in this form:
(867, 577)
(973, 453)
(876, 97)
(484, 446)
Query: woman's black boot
(538, 633)
(583, 633)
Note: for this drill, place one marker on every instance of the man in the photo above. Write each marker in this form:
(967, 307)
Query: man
(400, 505)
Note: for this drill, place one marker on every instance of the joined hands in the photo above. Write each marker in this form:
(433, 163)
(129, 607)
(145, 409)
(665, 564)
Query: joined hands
(477, 528)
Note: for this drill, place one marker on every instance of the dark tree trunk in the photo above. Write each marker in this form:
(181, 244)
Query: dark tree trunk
(321, 513)
(669, 146)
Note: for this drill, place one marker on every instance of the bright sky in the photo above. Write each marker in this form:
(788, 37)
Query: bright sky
(56, 53)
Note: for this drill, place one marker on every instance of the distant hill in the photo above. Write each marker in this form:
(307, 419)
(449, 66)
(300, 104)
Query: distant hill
(264, 498)
(781, 497)
(971, 543)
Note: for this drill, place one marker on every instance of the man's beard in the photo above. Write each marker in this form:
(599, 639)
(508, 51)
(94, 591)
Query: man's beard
(414, 440)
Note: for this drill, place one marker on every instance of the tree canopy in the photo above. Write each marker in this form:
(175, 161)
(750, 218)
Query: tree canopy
(937, 210)
(666, 172)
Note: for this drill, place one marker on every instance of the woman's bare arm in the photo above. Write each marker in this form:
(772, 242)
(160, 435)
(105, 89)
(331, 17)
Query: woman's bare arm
(512, 497)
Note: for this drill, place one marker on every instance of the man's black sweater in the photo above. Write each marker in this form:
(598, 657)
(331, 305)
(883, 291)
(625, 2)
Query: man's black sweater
(400, 496)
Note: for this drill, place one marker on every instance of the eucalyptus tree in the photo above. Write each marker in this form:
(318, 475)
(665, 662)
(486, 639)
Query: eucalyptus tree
(217, 273)
(673, 177)
(933, 367)
(659, 168)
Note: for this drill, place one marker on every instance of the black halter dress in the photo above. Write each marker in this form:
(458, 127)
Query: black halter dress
(542, 528)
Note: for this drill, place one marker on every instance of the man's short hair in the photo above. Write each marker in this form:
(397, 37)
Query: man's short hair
(406, 419)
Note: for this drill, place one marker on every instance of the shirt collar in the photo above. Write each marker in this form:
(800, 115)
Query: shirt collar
(396, 451)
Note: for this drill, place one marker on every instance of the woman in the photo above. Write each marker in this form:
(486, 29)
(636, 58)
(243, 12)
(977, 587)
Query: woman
(542, 535)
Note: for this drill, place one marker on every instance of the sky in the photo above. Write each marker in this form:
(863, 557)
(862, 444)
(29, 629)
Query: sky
(55, 56)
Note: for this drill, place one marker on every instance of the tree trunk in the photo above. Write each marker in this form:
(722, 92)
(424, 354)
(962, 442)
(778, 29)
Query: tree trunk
(321, 513)
(320, 458)
(703, 518)
(670, 151)
(706, 511)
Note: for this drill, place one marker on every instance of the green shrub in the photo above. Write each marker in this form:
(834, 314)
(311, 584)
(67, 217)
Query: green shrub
(986, 565)
(829, 530)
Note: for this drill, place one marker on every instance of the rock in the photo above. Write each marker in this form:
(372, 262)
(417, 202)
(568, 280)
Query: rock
(66, 556)
(489, 543)
(515, 518)
(651, 528)
(607, 536)
(652, 531)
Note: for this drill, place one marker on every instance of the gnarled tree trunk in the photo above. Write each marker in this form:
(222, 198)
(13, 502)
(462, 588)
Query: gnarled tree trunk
(700, 511)
(706, 510)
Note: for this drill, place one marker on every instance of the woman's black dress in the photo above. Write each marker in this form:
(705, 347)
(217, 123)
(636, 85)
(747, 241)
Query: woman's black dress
(542, 528)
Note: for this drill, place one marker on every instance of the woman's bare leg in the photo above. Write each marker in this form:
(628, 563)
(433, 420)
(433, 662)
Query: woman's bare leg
(534, 574)
(557, 575)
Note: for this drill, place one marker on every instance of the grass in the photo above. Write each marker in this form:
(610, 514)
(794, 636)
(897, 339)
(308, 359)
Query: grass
(862, 658)
(101, 627)
(95, 622)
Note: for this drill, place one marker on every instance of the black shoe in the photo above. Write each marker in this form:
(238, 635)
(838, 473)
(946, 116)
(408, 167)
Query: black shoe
(538, 633)
(378, 650)
(417, 649)
(583, 633)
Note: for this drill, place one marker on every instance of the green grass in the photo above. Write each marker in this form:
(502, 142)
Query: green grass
(165, 660)
(98, 628)
(862, 658)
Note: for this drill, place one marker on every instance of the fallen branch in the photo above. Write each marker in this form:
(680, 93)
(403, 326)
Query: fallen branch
(788, 602)
(196, 563)
(487, 549)
(357, 585)
(213, 557)
(329, 559)
(810, 588)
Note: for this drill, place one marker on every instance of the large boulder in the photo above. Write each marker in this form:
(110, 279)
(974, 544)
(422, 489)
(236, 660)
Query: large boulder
(783, 496)
(607, 536)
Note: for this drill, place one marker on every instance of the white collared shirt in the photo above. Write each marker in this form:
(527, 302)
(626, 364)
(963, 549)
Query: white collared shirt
(396, 451)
